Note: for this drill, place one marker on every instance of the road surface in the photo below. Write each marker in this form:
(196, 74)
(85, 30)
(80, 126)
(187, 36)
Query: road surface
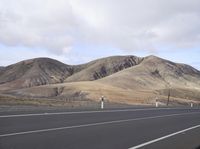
(149, 128)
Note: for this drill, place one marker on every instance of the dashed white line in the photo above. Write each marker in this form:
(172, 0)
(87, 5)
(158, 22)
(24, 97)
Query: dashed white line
(164, 137)
(94, 124)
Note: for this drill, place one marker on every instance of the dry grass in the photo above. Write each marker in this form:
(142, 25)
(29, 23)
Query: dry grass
(93, 90)
(139, 84)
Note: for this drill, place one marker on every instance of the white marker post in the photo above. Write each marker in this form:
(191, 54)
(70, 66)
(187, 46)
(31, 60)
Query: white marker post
(102, 102)
(156, 102)
(191, 105)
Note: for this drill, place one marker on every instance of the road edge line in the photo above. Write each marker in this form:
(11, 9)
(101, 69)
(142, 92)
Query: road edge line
(164, 137)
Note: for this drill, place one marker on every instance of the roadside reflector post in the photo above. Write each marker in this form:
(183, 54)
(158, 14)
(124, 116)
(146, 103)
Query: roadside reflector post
(191, 105)
(156, 102)
(102, 102)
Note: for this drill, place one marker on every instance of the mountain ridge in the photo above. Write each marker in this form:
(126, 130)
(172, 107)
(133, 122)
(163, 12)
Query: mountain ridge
(159, 70)
(42, 71)
(125, 79)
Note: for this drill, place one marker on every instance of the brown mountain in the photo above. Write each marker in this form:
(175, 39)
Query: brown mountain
(103, 67)
(124, 79)
(42, 71)
(156, 73)
(34, 72)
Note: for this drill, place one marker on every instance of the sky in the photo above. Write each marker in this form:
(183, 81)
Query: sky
(78, 31)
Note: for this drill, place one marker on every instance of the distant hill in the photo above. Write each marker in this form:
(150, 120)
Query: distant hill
(103, 67)
(155, 73)
(42, 71)
(124, 79)
(34, 72)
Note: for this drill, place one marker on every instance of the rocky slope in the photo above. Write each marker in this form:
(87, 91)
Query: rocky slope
(42, 71)
(156, 73)
(34, 72)
(104, 67)
(124, 79)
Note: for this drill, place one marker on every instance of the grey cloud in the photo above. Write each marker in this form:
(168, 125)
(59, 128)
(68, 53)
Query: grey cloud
(43, 24)
(125, 24)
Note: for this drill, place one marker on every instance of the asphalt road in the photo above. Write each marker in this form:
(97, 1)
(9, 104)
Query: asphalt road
(149, 128)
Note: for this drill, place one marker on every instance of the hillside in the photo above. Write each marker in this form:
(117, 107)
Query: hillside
(156, 73)
(42, 71)
(34, 72)
(124, 79)
(103, 67)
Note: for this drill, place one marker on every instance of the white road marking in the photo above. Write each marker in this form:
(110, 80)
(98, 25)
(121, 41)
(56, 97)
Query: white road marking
(164, 137)
(85, 112)
(94, 124)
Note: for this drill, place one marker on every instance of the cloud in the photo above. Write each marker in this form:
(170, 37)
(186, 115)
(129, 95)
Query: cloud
(124, 24)
(141, 24)
(36, 23)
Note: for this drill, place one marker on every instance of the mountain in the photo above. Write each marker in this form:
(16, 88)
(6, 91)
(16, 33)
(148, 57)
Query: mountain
(155, 73)
(103, 67)
(123, 79)
(34, 72)
(42, 71)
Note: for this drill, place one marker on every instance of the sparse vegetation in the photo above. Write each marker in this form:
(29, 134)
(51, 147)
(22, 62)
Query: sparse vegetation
(122, 79)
